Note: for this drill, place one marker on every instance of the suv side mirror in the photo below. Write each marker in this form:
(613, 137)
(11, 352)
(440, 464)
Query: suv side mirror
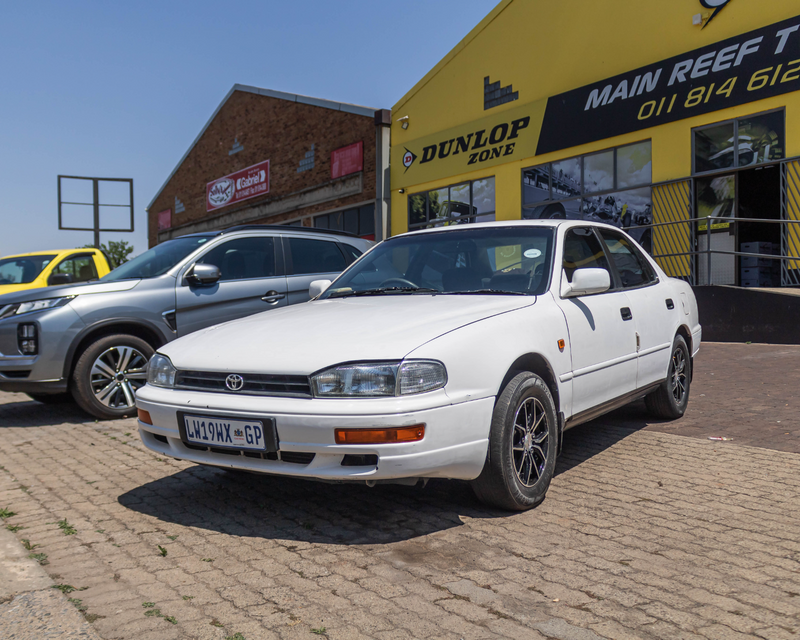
(585, 282)
(203, 275)
(317, 287)
(59, 278)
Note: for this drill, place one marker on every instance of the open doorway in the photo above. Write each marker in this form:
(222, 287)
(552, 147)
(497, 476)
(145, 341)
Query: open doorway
(759, 197)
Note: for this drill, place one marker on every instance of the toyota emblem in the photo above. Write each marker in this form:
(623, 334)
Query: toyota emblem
(234, 382)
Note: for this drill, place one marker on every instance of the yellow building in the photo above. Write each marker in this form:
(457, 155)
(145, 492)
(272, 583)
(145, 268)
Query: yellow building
(651, 116)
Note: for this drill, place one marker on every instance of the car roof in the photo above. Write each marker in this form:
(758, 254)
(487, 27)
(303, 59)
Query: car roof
(57, 252)
(513, 223)
(269, 227)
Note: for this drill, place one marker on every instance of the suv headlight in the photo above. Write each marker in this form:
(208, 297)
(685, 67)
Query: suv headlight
(160, 372)
(379, 379)
(34, 305)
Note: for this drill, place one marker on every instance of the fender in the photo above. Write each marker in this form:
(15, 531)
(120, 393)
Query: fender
(162, 334)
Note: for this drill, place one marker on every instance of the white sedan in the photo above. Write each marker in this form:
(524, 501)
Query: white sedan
(459, 352)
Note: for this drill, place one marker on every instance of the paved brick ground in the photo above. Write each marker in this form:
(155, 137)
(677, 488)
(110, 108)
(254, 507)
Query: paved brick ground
(644, 534)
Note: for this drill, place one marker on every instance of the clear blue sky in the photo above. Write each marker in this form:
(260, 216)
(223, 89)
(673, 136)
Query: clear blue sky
(122, 89)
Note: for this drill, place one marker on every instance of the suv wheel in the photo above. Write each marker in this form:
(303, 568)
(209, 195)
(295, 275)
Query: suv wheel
(108, 373)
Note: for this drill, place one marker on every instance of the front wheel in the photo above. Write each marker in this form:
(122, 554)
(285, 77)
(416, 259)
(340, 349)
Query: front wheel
(523, 438)
(108, 373)
(670, 399)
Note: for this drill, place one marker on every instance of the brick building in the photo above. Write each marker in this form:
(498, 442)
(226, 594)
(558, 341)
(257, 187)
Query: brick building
(277, 158)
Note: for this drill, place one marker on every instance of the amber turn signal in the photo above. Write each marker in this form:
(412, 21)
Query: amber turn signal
(144, 416)
(561, 345)
(380, 436)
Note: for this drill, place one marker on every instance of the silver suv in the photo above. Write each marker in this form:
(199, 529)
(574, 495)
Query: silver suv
(94, 340)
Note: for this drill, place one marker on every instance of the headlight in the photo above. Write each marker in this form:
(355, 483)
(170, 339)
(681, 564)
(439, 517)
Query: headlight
(33, 305)
(379, 379)
(160, 372)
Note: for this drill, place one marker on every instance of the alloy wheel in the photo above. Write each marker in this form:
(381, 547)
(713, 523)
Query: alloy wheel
(678, 375)
(529, 442)
(116, 375)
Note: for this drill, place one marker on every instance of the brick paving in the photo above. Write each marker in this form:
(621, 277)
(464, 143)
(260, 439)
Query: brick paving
(645, 533)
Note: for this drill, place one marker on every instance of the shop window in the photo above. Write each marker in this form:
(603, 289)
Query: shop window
(612, 186)
(457, 204)
(742, 142)
(359, 221)
(598, 172)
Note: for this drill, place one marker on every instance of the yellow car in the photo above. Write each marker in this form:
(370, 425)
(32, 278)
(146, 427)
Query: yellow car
(47, 268)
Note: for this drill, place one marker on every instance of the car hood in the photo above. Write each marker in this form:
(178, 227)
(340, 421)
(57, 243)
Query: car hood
(304, 338)
(57, 291)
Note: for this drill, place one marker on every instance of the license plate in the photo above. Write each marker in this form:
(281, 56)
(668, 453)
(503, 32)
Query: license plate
(230, 433)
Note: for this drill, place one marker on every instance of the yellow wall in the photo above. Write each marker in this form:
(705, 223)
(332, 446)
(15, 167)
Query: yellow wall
(544, 48)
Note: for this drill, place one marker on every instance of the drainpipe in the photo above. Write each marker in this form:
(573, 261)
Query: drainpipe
(383, 216)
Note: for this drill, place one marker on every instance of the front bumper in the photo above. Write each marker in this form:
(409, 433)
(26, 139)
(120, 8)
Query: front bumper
(42, 373)
(454, 446)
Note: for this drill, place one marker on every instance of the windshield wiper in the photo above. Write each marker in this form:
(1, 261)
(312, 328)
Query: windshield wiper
(498, 292)
(381, 291)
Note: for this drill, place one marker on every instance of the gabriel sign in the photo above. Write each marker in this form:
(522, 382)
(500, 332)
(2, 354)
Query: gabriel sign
(242, 185)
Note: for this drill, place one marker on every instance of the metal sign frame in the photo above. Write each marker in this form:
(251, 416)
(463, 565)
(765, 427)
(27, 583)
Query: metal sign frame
(95, 204)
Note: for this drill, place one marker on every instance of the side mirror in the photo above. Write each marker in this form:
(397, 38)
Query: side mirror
(203, 275)
(585, 282)
(59, 278)
(317, 287)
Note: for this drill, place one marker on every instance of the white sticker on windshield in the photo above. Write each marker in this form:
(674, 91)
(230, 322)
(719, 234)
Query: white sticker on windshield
(532, 253)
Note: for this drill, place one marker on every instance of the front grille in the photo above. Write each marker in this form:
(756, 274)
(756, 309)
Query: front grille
(294, 457)
(254, 383)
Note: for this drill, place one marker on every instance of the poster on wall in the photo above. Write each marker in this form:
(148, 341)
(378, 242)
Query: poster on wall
(347, 160)
(242, 185)
(164, 219)
(748, 67)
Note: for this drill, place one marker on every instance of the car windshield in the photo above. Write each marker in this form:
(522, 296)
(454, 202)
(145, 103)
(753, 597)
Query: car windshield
(495, 260)
(24, 269)
(157, 260)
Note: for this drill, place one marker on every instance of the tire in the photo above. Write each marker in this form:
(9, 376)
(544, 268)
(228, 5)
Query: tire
(670, 399)
(51, 398)
(521, 457)
(107, 374)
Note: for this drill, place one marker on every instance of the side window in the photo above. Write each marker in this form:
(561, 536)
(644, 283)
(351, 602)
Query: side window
(314, 256)
(633, 268)
(582, 250)
(351, 254)
(243, 258)
(78, 268)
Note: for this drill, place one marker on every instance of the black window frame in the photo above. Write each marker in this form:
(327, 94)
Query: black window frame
(735, 122)
(472, 216)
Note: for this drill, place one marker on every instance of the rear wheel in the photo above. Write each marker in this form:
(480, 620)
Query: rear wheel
(108, 373)
(522, 446)
(670, 399)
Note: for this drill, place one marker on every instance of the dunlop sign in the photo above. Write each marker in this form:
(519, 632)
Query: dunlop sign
(749, 67)
(509, 135)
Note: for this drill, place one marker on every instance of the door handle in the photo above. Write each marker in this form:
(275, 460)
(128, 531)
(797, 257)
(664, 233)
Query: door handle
(626, 313)
(272, 297)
